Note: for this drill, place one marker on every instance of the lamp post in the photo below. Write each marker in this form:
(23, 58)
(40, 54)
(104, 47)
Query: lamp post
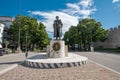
(91, 42)
(19, 48)
(81, 40)
(80, 32)
(26, 49)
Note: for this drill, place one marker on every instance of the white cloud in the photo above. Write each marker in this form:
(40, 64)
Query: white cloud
(82, 9)
(49, 18)
(73, 6)
(86, 3)
(117, 4)
(114, 1)
(69, 16)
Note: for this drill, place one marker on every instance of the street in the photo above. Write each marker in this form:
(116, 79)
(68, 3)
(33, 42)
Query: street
(109, 60)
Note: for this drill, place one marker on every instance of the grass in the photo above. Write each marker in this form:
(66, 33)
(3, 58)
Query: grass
(111, 50)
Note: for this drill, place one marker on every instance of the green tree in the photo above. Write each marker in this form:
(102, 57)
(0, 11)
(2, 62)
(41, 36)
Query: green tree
(85, 33)
(71, 37)
(41, 37)
(32, 30)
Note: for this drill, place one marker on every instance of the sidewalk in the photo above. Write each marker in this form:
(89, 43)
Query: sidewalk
(90, 71)
(10, 61)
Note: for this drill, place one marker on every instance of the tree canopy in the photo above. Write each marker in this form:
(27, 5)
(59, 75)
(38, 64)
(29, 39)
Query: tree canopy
(32, 30)
(85, 33)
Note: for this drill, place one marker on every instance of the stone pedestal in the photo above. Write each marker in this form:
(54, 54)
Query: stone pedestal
(66, 51)
(57, 49)
(92, 49)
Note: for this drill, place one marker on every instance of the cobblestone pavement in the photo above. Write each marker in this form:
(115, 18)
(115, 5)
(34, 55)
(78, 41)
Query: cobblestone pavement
(89, 71)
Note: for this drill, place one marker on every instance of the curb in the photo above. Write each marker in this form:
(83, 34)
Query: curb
(54, 65)
(105, 67)
(72, 61)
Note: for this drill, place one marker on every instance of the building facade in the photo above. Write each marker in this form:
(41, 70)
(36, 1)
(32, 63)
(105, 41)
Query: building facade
(6, 34)
(1, 34)
(113, 40)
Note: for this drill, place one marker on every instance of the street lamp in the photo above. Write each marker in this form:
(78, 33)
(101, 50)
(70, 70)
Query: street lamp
(80, 32)
(26, 49)
(91, 42)
(81, 40)
(19, 48)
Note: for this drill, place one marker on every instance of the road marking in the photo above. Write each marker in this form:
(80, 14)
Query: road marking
(105, 67)
(14, 65)
(8, 69)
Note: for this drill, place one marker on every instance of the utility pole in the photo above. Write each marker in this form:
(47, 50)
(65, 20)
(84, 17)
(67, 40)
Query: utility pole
(91, 41)
(19, 48)
(81, 39)
(26, 49)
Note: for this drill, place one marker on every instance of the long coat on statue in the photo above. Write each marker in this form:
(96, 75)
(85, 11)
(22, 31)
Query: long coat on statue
(57, 28)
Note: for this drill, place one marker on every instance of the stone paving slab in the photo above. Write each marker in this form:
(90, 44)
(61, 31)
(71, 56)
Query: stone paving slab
(9, 61)
(90, 71)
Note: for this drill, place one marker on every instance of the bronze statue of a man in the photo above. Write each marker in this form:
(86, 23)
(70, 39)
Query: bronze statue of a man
(57, 25)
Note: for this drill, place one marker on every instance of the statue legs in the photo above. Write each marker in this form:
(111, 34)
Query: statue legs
(57, 37)
(57, 34)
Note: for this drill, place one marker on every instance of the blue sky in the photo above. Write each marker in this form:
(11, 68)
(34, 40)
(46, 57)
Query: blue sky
(69, 11)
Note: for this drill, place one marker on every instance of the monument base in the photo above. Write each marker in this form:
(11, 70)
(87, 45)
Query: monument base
(92, 49)
(57, 49)
(42, 61)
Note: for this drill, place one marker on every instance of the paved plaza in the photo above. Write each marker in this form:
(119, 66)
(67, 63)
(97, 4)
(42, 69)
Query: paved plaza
(10, 61)
(89, 71)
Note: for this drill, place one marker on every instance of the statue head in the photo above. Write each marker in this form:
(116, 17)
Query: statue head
(57, 17)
